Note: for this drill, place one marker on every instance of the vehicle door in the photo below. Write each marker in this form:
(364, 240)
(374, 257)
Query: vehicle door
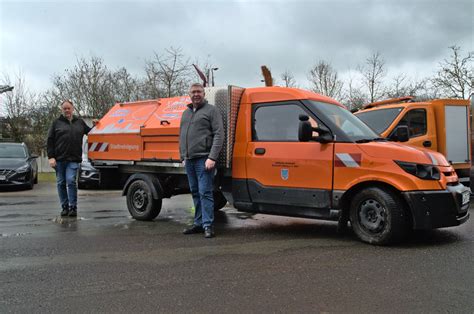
(421, 128)
(282, 170)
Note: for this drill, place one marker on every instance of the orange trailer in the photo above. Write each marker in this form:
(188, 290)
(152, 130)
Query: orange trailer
(287, 152)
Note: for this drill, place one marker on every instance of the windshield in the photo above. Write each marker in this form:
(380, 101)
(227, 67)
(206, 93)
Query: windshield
(12, 151)
(379, 120)
(354, 128)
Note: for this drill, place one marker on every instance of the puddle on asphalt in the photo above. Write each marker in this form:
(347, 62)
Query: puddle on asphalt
(104, 217)
(66, 220)
(18, 215)
(17, 203)
(19, 234)
(107, 210)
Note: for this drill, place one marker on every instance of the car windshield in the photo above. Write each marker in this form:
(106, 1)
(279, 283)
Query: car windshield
(379, 120)
(12, 151)
(355, 129)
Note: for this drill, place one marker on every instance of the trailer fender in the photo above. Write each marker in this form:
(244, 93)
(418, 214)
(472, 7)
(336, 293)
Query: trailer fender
(152, 181)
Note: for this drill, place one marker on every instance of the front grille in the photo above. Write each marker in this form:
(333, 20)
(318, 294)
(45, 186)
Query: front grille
(7, 172)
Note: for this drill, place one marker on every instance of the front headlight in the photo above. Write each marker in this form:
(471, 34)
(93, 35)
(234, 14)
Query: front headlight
(24, 168)
(425, 172)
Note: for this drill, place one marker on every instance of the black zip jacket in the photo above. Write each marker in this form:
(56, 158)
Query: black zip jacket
(65, 139)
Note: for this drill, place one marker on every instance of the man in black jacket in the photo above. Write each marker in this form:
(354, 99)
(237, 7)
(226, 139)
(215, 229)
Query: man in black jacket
(65, 153)
(200, 140)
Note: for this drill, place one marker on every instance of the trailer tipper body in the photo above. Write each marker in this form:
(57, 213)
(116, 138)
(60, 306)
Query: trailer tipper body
(287, 152)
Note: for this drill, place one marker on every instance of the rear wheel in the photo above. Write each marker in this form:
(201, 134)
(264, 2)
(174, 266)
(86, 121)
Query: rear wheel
(378, 216)
(140, 201)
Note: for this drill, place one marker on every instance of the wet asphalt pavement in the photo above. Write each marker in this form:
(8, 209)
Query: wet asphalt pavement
(104, 261)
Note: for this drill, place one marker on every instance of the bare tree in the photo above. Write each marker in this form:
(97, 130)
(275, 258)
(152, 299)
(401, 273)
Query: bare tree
(325, 80)
(89, 84)
(42, 115)
(402, 86)
(373, 73)
(151, 87)
(17, 108)
(125, 87)
(354, 97)
(168, 74)
(288, 79)
(455, 78)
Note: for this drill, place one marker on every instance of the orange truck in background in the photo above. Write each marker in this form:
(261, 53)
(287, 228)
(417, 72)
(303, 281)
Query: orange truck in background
(442, 125)
(287, 152)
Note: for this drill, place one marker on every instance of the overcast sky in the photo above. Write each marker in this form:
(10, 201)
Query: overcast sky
(41, 38)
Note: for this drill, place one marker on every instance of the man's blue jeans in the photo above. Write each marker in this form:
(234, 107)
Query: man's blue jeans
(66, 174)
(201, 183)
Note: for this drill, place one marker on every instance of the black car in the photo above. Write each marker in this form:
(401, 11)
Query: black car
(89, 177)
(17, 166)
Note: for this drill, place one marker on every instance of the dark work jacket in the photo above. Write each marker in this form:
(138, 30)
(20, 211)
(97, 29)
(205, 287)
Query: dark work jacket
(201, 132)
(65, 139)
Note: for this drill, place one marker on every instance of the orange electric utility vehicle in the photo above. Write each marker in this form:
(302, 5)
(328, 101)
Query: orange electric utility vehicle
(287, 152)
(442, 125)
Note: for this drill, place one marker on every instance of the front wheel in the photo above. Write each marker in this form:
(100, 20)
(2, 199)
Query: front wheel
(31, 183)
(140, 201)
(378, 216)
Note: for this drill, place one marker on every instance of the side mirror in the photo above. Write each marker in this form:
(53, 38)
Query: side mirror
(34, 156)
(305, 132)
(401, 134)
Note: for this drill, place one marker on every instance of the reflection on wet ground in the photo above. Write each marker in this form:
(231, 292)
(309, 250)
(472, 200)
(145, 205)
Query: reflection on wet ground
(37, 212)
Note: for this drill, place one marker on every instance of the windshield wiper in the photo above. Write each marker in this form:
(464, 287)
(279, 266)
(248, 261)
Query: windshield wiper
(368, 140)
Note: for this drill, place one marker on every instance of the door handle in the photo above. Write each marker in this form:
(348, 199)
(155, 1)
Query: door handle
(427, 143)
(259, 151)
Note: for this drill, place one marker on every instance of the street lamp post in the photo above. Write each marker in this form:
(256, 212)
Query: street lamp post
(212, 74)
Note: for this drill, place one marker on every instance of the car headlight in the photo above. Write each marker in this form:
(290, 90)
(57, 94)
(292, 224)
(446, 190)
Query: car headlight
(425, 172)
(24, 168)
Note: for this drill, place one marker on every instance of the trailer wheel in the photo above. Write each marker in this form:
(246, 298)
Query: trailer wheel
(219, 200)
(140, 201)
(378, 216)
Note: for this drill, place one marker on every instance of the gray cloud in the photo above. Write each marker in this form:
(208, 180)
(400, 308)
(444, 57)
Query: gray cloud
(43, 38)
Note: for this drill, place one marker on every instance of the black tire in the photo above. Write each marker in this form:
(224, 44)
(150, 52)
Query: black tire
(378, 216)
(31, 184)
(219, 200)
(140, 201)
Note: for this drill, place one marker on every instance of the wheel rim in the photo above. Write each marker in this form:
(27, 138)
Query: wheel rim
(139, 200)
(372, 216)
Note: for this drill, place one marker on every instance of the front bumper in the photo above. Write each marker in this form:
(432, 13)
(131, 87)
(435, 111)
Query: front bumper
(89, 176)
(438, 209)
(15, 178)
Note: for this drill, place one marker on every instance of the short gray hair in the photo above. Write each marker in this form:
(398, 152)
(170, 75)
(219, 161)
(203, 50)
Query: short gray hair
(67, 101)
(196, 85)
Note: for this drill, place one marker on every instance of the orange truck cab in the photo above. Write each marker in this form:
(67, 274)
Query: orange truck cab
(287, 152)
(441, 125)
